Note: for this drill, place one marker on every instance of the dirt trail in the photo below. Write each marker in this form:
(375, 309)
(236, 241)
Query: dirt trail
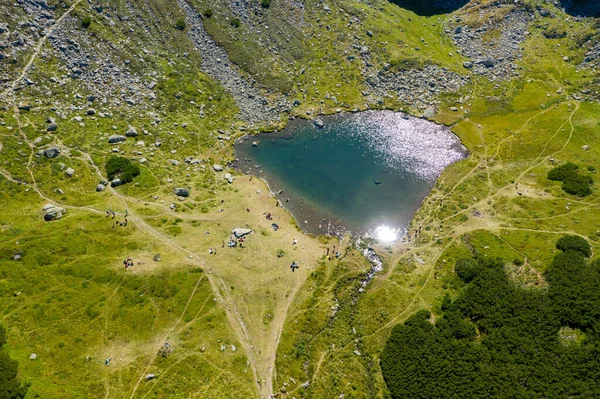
(38, 48)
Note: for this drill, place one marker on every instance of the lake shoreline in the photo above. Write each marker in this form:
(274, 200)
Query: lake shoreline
(310, 216)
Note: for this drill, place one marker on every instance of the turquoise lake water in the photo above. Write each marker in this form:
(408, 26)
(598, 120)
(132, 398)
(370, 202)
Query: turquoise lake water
(362, 172)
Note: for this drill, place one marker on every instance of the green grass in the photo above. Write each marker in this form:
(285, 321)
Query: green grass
(76, 300)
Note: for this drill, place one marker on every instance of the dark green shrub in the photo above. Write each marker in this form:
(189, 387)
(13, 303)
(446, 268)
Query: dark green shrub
(517, 262)
(122, 168)
(466, 270)
(10, 385)
(502, 341)
(235, 22)
(576, 243)
(573, 182)
(265, 3)
(180, 24)
(563, 172)
(578, 185)
(208, 13)
(86, 21)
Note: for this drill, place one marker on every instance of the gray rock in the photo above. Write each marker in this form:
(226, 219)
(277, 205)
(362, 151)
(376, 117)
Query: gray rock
(51, 152)
(90, 112)
(240, 232)
(149, 377)
(116, 138)
(306, 385)
(217, 168)
(429, 113)
(318, 122)
(468, 64)
(70, 172)
(488, 63)
(181, 192)
(52, 127)
(33, 356)
(53, 212)
(131, 132)
(100, 187)
(116, 183)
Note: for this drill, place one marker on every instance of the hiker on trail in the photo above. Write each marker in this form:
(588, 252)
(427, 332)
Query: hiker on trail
(247, 209)
(223, 245)
(250, 177)
(294, 266)
(107, 213)
(327, 254)
(215, 251)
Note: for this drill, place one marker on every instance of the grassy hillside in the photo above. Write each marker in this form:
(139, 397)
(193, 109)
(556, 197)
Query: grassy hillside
(239, 323)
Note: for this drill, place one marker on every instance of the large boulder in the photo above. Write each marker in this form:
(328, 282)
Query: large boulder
(181, 192)
(240, 232)
(131, 132)
(53, 212)
(51, 152)
(70, 172)
(116, 138)
(217, 168)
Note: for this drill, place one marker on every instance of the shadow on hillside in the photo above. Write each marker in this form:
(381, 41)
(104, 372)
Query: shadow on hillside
(430, 7)
(581, 8)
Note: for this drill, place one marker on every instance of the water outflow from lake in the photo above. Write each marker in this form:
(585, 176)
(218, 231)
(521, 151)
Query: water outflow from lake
(366, 173)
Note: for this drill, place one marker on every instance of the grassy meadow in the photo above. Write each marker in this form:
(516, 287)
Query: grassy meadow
(239, 323)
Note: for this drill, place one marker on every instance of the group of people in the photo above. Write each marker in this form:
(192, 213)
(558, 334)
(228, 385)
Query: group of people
(128, 263)
(233, 243)
(212, 251)
(337, 254)
(117, 223)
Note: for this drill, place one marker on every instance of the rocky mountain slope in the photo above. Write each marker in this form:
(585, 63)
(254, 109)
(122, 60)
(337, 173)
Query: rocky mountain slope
(169, 85)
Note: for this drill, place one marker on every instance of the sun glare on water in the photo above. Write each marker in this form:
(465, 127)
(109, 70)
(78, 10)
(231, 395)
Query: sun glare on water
(386, 234)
